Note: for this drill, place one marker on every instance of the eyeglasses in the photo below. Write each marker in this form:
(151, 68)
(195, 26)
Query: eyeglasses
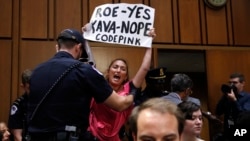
(189, 91)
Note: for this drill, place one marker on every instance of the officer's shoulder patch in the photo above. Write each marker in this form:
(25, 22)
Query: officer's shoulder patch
(13, 109)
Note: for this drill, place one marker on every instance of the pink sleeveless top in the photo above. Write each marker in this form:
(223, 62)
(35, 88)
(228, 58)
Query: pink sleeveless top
(105, 123)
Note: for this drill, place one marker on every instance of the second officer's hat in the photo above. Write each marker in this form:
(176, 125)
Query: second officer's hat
(156, 76)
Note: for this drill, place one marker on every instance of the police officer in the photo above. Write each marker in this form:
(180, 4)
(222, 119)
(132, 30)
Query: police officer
(156, 82)
(17, 118)
(61, 90)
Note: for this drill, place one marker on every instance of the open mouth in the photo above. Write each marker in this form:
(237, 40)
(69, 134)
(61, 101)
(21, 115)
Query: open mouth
(117, 77)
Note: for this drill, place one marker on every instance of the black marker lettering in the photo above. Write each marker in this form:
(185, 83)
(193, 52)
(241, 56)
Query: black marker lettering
(99, 26)
(146, 29)
(107, 11)
(131, 10)
(114, 13)
(98, 12)
(133, 28)
(138, 13)
(125, 27)
(93, 26)
(137, 42)
(140, 26)
(147, 11)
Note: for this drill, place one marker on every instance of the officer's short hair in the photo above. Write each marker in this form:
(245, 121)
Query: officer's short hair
(70, 37)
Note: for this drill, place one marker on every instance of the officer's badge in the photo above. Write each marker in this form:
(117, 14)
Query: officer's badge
(161, 72)
(13, 110)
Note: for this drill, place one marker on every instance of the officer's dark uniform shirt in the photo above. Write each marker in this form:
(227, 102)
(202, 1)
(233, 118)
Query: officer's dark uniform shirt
(69, 102)
(18, 110)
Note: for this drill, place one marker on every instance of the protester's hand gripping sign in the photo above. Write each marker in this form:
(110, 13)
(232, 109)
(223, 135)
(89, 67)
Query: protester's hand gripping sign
(121, 23)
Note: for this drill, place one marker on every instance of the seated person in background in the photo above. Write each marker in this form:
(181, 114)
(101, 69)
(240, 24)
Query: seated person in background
(156, 82)
(193, 121)
(17, 118)
(4, 133)
(156, 119)
(181, 88)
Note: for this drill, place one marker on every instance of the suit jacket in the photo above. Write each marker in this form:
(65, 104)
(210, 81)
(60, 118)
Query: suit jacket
(174, 97)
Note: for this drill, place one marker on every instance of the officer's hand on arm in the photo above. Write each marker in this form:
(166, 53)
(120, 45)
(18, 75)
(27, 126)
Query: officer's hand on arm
(120, 103)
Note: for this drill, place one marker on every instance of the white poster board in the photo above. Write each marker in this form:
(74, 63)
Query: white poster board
(121, 23)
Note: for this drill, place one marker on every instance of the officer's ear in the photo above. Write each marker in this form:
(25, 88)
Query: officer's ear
(79, 47)
(57, 47)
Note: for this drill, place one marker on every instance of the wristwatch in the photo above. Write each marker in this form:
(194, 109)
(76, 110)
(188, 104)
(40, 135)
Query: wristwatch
(215, 4)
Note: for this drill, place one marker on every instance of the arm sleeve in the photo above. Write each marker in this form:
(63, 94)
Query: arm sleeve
(100, 89)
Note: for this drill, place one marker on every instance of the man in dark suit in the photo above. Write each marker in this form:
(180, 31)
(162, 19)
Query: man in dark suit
(181, 88)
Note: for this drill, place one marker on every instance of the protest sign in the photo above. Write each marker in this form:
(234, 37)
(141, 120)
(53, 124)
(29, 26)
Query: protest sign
(121, 23)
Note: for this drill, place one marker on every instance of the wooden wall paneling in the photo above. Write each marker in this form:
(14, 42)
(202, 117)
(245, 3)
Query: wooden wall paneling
(131, 1)
(32, 53)
(85, 12)
(163, 20)
(155, 57)
(220, 64)
(5, 78)
(6, 18)
(34, 19)
(176, 22)
(203, 23)
(51, 19)
(229, 24)
(68, 15)
(241, 21)
(146, 2)
(189, 20)
(216, 26)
